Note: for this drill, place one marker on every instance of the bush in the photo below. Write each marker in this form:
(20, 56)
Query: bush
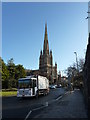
(9, 84)
(5, 84)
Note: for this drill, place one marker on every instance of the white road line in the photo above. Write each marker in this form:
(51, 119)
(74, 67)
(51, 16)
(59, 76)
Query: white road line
(28, 115)
(61, 96)
(58, 98)
(39, 108)
(42, 106)
(66, 92)
(34, 110)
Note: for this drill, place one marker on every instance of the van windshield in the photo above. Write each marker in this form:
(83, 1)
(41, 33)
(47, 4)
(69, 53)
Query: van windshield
(25, 83)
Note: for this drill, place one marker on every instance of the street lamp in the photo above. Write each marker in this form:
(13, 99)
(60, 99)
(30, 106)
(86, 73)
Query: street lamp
(76, 59)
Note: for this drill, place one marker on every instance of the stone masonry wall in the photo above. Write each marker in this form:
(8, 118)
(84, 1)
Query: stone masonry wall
(87, 77)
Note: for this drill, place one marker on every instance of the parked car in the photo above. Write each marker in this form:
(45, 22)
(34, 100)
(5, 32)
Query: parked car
(59, 86)
(55, 86)
(52, 86)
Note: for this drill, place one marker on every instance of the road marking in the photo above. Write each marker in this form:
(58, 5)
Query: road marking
(67, 92)
(61, 96)
(58, 98)
(28, 115)
(39, 108)
(46, 105)
(35, 109)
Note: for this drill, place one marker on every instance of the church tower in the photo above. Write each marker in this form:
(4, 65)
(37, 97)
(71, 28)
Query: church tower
(46, 60)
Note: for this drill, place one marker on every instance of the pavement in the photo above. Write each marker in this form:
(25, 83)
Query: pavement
(71, 105)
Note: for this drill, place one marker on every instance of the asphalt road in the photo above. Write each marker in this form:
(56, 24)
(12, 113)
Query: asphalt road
(12, 107)
(71, 105)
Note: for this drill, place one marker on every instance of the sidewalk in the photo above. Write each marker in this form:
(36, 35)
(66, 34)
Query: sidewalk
(70, 106)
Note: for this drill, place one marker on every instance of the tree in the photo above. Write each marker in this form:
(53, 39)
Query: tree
(11, 68)
(5, 72)
(5, 75)
(19, 72)
(71, 71)
(76, 74)
(11, 73)
(81, 64)
(0, 67)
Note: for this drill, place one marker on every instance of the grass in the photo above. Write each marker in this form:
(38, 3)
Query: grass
(11, 89)
(8, 93)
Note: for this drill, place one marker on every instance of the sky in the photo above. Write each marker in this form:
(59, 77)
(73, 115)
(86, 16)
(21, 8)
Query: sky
(23, 27)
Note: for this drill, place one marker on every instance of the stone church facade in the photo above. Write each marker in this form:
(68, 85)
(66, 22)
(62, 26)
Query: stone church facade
(46, 67)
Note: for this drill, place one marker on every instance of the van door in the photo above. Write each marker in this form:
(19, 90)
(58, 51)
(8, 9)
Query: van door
(33, 87)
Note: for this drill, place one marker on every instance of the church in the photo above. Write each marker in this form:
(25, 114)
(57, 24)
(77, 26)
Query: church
(46, 67)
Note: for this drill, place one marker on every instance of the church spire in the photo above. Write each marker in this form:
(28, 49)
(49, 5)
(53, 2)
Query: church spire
(46, 37)
(46, 46)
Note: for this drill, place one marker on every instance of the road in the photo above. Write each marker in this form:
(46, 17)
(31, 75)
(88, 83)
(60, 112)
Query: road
(69, 106)
(12, 107)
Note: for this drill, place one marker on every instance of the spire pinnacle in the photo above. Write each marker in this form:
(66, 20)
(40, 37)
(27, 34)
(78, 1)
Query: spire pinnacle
(46, 36)
(46, 46)
(45, 28)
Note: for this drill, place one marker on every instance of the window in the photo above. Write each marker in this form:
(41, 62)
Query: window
(25, 83)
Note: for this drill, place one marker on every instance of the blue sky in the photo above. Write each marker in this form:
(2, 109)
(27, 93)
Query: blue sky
(23, 27)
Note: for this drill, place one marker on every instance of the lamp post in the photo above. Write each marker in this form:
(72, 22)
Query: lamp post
(76, 59)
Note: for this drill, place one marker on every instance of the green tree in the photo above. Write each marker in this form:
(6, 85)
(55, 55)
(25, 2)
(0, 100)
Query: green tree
(11, 73)
(0, 74)
(5, 75)
(5, 72)
(19, 72)
(11, 69)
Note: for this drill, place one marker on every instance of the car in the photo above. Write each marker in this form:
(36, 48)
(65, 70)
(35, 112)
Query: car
(59, 86)
(52, 86)
(55, 86)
